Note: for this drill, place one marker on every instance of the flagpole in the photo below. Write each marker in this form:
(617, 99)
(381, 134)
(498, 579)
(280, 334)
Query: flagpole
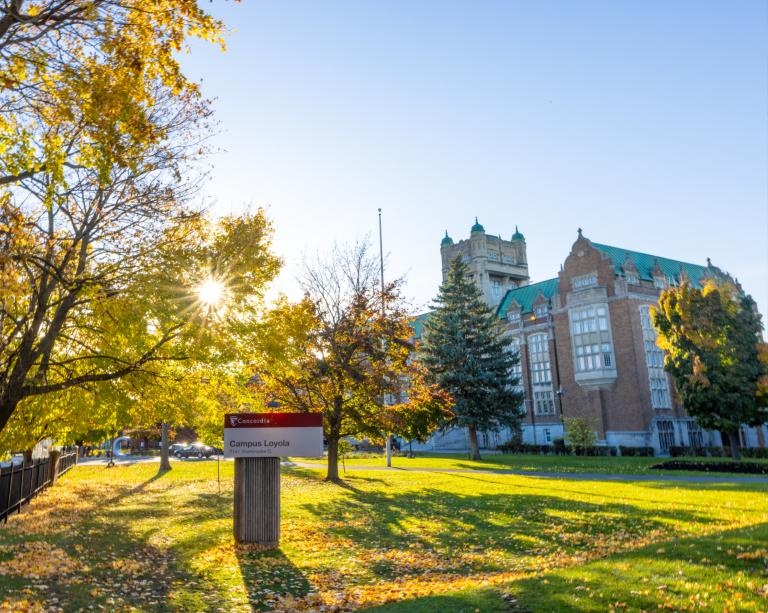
(384, 396)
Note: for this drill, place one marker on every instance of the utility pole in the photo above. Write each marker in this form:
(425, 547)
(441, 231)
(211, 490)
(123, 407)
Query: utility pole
(384, 395)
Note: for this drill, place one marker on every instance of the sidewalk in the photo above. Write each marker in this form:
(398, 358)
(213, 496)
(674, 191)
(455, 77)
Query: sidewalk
(102, 461)
(584, 476)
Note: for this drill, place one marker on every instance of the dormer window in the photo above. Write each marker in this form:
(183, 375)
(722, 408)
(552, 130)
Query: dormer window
(659, 283)
(541, 311)
(585, 281)
(514, 318)
(632, 279)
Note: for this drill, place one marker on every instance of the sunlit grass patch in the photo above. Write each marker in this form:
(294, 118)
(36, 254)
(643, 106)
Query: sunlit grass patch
(421, 542)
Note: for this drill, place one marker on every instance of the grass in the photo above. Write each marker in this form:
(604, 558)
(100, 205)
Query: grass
(387, 541)
(532, 463)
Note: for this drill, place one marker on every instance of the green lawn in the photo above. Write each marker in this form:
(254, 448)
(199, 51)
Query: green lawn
(132, 539)
(532, 463)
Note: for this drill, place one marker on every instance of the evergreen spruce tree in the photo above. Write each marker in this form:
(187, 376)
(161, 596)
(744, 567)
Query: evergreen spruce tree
(466, 356)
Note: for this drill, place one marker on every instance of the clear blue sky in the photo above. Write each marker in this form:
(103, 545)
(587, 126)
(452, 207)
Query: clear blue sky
(644, 123)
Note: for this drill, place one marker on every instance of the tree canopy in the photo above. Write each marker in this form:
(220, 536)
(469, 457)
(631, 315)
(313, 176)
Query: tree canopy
(713, 339)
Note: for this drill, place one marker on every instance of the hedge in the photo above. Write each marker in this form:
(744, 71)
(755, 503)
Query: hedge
(717, 452)
(560, 448)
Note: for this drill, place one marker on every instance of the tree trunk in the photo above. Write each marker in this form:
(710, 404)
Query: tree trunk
(733, 440)
(473, 444)
(333, 457)
(27, 455)
(165, 463)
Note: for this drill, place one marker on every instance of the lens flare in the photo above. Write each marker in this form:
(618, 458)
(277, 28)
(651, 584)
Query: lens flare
(211, 292)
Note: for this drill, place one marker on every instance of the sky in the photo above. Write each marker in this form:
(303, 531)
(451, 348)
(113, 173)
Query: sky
(644, 123)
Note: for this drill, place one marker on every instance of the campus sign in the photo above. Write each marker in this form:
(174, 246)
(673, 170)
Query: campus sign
(258, 435)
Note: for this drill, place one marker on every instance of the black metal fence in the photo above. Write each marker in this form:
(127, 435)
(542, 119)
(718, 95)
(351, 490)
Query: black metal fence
(20, 483)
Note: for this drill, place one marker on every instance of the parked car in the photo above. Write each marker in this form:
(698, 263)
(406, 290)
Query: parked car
(195, 450)
(172, 449)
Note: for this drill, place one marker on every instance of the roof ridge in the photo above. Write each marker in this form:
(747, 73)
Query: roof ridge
(650, 255)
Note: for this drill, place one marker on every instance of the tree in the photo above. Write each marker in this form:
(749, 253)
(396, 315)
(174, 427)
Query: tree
(79, 80)
(346, 346)
(466, 356)
(581, 433)
(713, 340)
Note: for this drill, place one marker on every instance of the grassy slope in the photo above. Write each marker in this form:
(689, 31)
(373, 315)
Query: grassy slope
(456, 542)
(530, 463)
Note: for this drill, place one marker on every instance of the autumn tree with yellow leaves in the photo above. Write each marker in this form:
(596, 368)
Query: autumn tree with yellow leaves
(350, 346)
(716, 356)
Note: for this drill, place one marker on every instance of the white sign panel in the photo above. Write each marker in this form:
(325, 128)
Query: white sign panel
(258, 435)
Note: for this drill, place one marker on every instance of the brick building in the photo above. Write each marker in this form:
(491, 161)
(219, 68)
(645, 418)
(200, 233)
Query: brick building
(586, 342)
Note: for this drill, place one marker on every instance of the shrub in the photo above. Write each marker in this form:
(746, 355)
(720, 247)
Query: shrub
(581, 432)
(676, 451)
(614, 450)
(645, 452)
(754, 452)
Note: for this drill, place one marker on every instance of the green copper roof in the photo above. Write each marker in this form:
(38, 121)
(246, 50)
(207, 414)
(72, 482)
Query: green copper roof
(477, 227)
(447, 240)
(645, 263)
(517, 236)
(526, 296)
(418, 325)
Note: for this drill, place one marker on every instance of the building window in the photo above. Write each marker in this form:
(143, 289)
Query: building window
(585, 282)
(742, 437)
(695, 435)
(465, 259)
(496, 288)
(547, 435)
(645, 318)
(543, 403)
(509, 260)
(659, 394)
(486, 440)
(540, 370)
(653, 355)
(666, 433)
(632, 279)
(514, 318)
(540, 311)
(492, 257)
(659, 283)
(607, 360)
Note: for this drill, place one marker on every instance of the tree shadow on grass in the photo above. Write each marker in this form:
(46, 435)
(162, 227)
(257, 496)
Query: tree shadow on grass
(626, 581)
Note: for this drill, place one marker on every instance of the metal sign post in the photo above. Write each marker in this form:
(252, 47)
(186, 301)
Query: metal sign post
(256, 441)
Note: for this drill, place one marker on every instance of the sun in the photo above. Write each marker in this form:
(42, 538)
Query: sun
(211, 292)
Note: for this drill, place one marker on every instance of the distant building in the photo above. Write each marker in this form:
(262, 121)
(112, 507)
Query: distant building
(587, 345)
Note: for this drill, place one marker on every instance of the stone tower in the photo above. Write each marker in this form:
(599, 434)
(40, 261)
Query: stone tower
(495, 265)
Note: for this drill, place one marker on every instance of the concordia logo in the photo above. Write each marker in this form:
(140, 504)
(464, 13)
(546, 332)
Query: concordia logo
(233, 419)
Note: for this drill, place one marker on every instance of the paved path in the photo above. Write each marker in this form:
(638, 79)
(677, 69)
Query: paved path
(584, 476)
(102, 461)
(518, 473)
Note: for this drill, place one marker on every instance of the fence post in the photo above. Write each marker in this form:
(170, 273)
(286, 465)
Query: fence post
(54, 457)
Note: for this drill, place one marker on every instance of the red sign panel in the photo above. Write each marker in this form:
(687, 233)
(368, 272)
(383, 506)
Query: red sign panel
(274, 420)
